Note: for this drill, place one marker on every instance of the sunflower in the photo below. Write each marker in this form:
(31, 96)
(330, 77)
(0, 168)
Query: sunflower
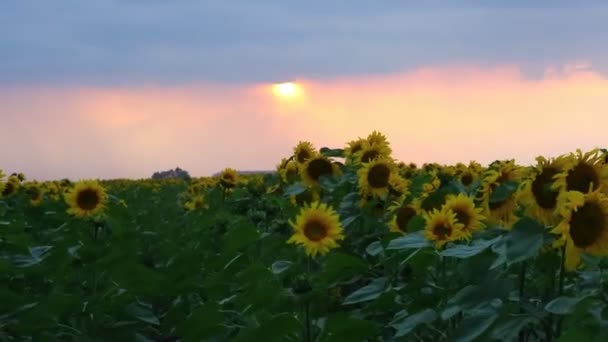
(288, 170)
(466, 213)
(441, 227)
(229, 178)
(10, 187)
(401, 218)
(196, 202)
(538, 195)
(398, 186)
(314, 168)
(374, 177)
(377, 138)
(304, 151)
(584, 225)
(352, 148)
(501, 212)
(87, 198)
(35, 193)
(370, 152)
(317, 227)
(306, 197)
(582, 172)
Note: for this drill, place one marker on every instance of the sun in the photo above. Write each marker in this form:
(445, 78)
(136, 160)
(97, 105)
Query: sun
(287, 90)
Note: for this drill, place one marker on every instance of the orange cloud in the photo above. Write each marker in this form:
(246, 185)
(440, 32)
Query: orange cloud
(433, 114)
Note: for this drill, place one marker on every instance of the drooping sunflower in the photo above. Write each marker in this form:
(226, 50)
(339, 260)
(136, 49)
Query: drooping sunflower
(317, 227)
(229, 178)
(374, 177)
(314, 168)
(304, 151)
(538, 195)
(466, 213)
(441, 227)
(584, 225)
(583, 172)
(501, 212)
(86, 199)
(402, 216)
(288, 170)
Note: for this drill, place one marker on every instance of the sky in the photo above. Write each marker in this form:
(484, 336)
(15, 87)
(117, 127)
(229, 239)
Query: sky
(124, 88)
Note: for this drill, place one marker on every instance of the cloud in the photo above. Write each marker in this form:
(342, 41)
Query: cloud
(431, 114)
(112, 43)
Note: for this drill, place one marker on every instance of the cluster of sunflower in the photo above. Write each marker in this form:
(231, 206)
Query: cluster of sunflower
(194, 197)
(568, 194)
(11, 186)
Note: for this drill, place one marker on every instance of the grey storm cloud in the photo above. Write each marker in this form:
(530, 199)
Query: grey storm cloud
(126, 41)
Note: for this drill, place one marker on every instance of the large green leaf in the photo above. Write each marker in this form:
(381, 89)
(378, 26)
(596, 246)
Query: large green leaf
(508, 329)
(524, 241)
(410, 323)
(367, 292)
(409, 241)
(467, 251)
(142, 313)
(503, 191)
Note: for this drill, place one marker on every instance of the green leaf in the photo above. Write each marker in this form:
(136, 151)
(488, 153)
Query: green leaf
(367, 292)
(524, 241)
(336, 152)
(563, 305)
(509, 329)
(142, 313)
(409, 241)
(294, 189)
(203, 322)
(467, 251)
(280, 266)
(36, 256)
(476, 324)
(349, 220)
(410, 323)
(341, 327)
(374, 248)
(240, 236)
(277, 328)
(339, 265)
(503, 191)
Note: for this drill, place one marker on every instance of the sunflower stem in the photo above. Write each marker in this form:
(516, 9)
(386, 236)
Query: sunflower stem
(560, 290)
(522, 285)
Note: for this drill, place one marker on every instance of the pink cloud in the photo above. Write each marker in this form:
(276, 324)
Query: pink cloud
(431, 114)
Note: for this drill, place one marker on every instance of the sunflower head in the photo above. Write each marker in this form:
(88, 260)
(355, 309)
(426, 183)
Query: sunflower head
(35, 192)
(196, 202)
(288, 171)
(314, 168)
(86, 199)
(375, 176)
(10, 187)
(352, 148)
(538, 194)
(229, 178)
(466, 213)
(498, 193)
(441, 227)
(583, 226)
(377, 138)
(317, 227)
(370, 152)
(304, 151)
(402, 216)
(583, 172)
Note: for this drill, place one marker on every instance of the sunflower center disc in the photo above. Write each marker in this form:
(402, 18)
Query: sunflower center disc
(315, 230)
(87, 199)
(581, 176)
(541, 189)
(404, 215)
(319, 167)
(442, 231)
(462, 216)
(378, 176)
(466, 179)
(587, 225)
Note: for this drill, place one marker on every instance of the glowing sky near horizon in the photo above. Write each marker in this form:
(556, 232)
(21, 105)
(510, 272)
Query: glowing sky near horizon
(130, 87)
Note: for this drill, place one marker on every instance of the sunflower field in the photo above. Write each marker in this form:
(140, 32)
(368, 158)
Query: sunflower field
(339, 244)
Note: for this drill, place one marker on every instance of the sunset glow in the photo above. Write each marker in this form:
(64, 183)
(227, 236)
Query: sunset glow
(287, 90)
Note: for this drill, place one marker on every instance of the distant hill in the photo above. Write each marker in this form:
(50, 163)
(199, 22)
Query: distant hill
(249, 172)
